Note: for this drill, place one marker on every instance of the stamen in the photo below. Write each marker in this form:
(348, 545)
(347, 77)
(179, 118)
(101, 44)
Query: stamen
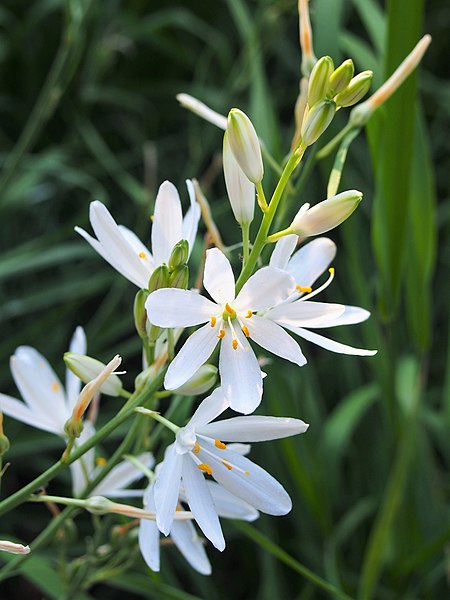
(152, 217)
(229, 310)
(100, 461)
(219, 444)
(235, 344)
(205, 468)
(246, 472)
(228, 466)
(55, 386)
(249, 314)
(322, 287)
(196, 449)
(213, 321)
(142, 255)
(246, 331)
(236, 341)
(303, 289)
(221, 334)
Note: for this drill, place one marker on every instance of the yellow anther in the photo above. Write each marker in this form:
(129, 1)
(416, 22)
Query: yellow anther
(142, 255)
(205, 468)
(55, 386)
(229, 467)
(100, 461)
(219, 444)
(246, 472)
(196, 449)
(331, 270)
(246, 331)
(152, 217)
(235, 344)
(41, 365)
(229, 309)
(303, 289)
(213, 321)
(221, 334)
(249, 314)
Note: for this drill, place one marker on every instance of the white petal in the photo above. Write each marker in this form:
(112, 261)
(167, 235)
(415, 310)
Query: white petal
(218, 278)
(267, 287)
(167, 223)
(149, 533)
(350, 316)
(331, 345)
(254, 428)
(191, 546)
(167, 488)
(122, 475)
(283, 251)
(190, 221)
(196, 351)
(210, 408)
(201, 503)
(273, 338)
(240, 374)
(20, 411)
(172, 307)
(39, 386)
(78, 345)
(140, 249)
(258, 488)
(311, 261)
(304, 314)
(243, 449)
(230, 506)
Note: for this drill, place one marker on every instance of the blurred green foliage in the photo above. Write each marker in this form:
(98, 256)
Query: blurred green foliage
(88, 111)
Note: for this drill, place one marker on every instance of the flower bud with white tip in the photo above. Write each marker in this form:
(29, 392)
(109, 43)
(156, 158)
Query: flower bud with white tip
(240, 189)
(202, 381)
(356, 89)
(319, 80)
(244, 144)
(326, 215)
(87, 368)
(13, 548)
(317, 120)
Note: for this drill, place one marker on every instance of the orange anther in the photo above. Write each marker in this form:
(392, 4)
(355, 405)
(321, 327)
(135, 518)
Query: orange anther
(302, 289)
(205, 468)
(55, 386)
(221, 334)
(142, 255)
(196, 449)
(246, 331)
(229, 467)
(235, 344)
(213, 321)
(219, 444)
(100, 461)
(249, 314)
(229, 309)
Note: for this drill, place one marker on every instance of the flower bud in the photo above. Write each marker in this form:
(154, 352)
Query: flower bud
(13, 548)
(140, 314)
(179, 278)
(241, 191)
(4, 442)
(202, 381)
(356, 89)
(326, 215)
(317, 120)
(340, 78)
(179, 255)
(159, 278)
(87, 368)
(98, 505)
(244, 144)
(319, 80)
(153, 333)
(73, 427)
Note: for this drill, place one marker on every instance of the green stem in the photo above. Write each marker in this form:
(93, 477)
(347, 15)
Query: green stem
(325, 151)
(261, 197)
(245, 242)
(159, 418)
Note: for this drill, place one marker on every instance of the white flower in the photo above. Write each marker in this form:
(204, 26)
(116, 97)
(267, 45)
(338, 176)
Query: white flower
(199, 449)
(122, 248)
(306, 266)
(183, 533)
(245, 145)
(13, 548)
(231, 319)
(240, 189)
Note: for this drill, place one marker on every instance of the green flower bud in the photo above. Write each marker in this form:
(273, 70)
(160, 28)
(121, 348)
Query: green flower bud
(340, 78)
(159, 278)
(356, 89)
(179, 256)
(4, 444)
(88, 368)
(140, 314)
(202, 381)
(144, 377)
(153, 333)
(244, 144)
(319, 80)
(317, 120)
(98, 505)
(73, 427)
(179, 278)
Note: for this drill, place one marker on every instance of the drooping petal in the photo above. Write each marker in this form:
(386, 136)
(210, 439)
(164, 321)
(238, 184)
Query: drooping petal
(311, 261)
(350, 316)
(230, 506)
(191, 546)
(78, 345)
(218, 278)
(247, 481)
(273, 338)
(240, 374)
(190, 221)
(39, 386)
(304, 314)
(167, 487)
(172, 307)
(201, 503)
(266, 288)
(149, 533)
(283, 251)
(122, 475)
(196, 351)
(331, 345)
(167, 222)
(210, 408)
(20, 411)
(254, 428)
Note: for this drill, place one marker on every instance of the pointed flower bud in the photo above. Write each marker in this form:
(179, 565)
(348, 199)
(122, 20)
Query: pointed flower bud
(179, 255)
(13, 548)
(87, 369)
(356, 89)
(179, 278)
(159, 278)
(140, 314)
(203, 111)
(202, 381)
(340, 78)
(240, 189)
(319, 80)
(326, 215)
(317, 120)
(244, 144)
